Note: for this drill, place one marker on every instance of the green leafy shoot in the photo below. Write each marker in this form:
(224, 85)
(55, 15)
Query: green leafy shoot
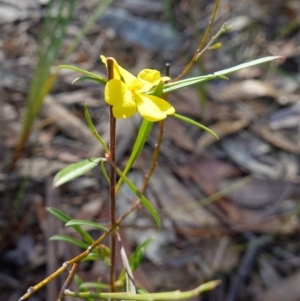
(65, 219)
(93, 129)
(75, 170)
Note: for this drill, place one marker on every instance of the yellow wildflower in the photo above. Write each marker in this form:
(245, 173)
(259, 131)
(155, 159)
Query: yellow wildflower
(127, 94)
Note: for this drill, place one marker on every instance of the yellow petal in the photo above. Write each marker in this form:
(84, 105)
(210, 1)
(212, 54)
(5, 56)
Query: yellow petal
(117, 74)
(120, 97)
(153, 108)
(149, 75)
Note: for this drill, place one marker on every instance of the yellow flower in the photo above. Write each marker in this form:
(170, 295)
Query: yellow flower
(126, 93)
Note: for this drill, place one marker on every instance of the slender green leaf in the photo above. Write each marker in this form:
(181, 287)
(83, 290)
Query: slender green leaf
(219, 74)
(136, 257)
(201, 126)
(93, 129)
(75, 170)
(142, 291)
(84, 78)
(104, 172)
(65, 219)
(87, 73)
(79, 282)
(98, 285)
(81, 222)
(143, 199)
(69, 239)
(140, 141)
(59, 214)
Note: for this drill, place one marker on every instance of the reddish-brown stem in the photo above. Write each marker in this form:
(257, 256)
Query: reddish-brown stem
(112, 177)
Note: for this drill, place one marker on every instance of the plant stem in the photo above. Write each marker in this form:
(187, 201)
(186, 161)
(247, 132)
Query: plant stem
(112, 177)
(68, 281)
(201, 45)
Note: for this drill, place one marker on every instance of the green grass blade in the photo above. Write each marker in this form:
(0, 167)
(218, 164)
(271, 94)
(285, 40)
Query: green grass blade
(53, 33)
(84, 78)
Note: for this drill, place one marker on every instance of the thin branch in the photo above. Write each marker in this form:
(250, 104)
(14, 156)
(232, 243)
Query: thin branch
(68, 281)
(201, 45)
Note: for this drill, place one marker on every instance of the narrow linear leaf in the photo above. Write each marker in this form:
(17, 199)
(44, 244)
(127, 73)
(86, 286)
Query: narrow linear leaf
(65, 219)
(93, 129)
(98, 285)
(83, 78)
(81, 222)
(136, 257)
(199, 125)
(69, 239)
(140, 141)
(248, 64)
(143, 199)
(75, 170)
(104, 172)
(59, 214)
(219, 74)
(87, 73)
